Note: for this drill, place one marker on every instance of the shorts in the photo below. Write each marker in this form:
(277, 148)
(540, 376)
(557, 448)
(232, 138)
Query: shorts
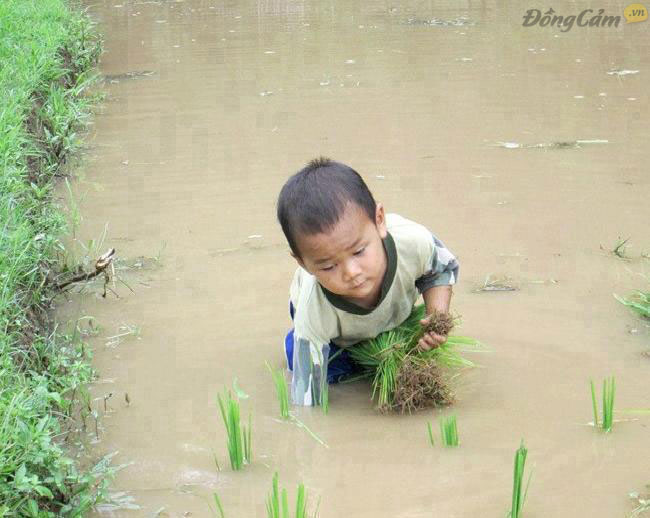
(337, 368)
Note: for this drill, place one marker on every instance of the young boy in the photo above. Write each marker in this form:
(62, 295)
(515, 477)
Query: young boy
(360, 272)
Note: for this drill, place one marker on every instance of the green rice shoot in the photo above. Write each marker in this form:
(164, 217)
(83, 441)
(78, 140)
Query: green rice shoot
(281, 390)
(609, 392)
(277, 502)
(217, 504)
(430, 431)
(518, 492)
(239, 437)
(449, 431)
(638, 302)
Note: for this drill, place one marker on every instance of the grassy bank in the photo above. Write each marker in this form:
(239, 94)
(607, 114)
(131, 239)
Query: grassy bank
(47, 53)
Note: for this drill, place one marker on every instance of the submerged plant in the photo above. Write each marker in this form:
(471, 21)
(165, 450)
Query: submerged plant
(609, 391)
(277, 503)
(281, 390)
(404, 377)
(239, 437)
(448, 431)
(519, 497)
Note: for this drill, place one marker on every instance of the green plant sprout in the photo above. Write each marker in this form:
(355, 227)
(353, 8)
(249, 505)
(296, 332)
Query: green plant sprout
(430, 431)
(217, 504)
(281, 390)
(239, 437)
(518, 499)
(609, 391)
(639, 302)
(448, 431)
(277, 503)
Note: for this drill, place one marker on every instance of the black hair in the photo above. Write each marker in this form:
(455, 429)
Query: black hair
(313, 200)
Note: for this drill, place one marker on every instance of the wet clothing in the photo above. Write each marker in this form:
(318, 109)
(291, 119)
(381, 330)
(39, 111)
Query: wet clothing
(417, 261)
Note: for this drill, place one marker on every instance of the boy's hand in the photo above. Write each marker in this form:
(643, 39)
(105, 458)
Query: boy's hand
(430, 340)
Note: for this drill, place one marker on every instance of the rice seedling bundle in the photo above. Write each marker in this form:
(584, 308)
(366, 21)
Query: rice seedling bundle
(404, 377)
(239, 437)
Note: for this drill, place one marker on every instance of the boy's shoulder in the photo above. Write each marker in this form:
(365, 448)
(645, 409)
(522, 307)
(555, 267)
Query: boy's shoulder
(413, 241)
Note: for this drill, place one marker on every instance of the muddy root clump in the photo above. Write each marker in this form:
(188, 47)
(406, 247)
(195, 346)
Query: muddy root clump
(420, 384)
(440, 323)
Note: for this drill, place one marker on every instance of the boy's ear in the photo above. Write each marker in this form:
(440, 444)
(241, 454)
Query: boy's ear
(380, 221)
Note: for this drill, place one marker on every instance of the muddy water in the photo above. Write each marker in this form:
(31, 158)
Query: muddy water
(187, 162)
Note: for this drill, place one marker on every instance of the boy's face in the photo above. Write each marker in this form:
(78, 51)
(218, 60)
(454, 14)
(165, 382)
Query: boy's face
(350, 259)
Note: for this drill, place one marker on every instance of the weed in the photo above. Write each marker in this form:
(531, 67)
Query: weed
(45, 50)
(619, 247)
(239, 438)
(448, 431)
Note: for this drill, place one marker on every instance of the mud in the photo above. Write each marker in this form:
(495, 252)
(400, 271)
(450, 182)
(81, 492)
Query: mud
(194, 157)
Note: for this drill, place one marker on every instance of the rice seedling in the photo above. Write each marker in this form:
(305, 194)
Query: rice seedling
(449, 431)
(239, 437)
(217, 504)
(519, 498)
(639, 302)
(281, 390)
(609, 391)
(404, 377)
(430, 431)
(277, 503)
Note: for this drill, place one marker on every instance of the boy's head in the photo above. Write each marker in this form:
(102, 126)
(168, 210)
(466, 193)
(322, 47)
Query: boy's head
(335, 228)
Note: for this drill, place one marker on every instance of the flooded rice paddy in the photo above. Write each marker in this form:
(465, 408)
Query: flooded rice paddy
(523, 148)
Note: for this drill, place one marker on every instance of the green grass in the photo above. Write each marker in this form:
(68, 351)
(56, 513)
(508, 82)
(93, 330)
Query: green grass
(518, 492)
(449, 431)
(430, 432)
(281, 390)
(382, 356)
(277, 503)
(238, 441)
(47, 54)
(609, 392)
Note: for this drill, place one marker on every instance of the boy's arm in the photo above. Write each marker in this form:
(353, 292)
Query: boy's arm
(436, 288)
